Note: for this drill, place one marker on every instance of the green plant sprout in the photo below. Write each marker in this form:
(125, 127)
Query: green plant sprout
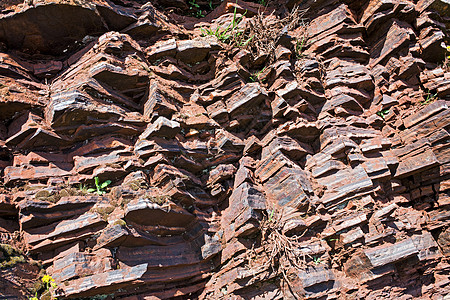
(271, 215)
(299, 47)
(383, 113)
(194, 6)
(255, 76)
(230, 33)
(99, 188)
(430, 98)
(317, 260)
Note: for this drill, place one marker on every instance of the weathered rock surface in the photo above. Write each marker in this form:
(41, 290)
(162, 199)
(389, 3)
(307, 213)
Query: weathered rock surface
(339, 145)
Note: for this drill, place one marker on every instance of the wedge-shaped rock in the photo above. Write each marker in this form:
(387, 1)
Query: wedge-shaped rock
(162, 127)
(343, 101)
(194, 51)
(157, 102)
(74, 107)
(331, 22)
(132, 83)
(292, 148)
(249, 96)
(154, 211)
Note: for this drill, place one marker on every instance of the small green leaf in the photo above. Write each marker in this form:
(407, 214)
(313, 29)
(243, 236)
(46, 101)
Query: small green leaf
(105, 184)
(96, 181)
(91, 190)
(271, 215)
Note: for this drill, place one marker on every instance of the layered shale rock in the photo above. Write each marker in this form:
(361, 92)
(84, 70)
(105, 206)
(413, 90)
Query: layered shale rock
(314, 164)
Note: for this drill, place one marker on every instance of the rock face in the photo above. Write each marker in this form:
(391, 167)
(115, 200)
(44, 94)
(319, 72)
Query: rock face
(318, 171)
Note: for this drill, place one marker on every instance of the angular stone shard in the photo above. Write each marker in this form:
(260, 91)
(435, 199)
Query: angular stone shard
(162, 127)
(250, 96)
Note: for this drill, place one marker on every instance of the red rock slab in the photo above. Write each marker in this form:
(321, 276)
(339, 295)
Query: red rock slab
(33, 173)
(416, 164)
(102, 283)
(425, 113)
(292, 148)
(343, 183)
(101, 144)
(148, 212)
(146, 148)
(52, 34)
(249, 96)
(353, 75)
(441, 6)
(158, 100)
(344, 224)
(39, 158)
(431, 128)
(87, 164)
(398, 35)
(7, 208)
(419, 245)
(221, 173)
(245, 196)
(79, 264)
(162, 127)
(175, 255)
(289, 187)
(327, 24)
(58, 230)
(37, 213)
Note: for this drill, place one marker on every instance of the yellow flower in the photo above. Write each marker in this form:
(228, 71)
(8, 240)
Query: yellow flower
(47, 279)
(34, 298)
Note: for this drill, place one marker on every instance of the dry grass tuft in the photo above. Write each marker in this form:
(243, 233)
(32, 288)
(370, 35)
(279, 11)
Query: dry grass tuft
(266, 31)
(278, 253)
